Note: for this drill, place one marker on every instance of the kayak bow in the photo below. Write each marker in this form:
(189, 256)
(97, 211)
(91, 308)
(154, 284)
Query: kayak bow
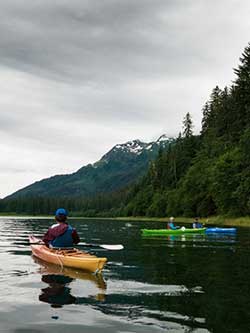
(221, 230)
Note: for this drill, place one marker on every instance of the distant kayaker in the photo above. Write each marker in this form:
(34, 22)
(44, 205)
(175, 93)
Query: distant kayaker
(171, 225)
(197, 224)
(61, 234)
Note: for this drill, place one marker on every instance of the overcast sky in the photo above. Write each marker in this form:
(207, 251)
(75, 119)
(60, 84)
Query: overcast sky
(79, 76)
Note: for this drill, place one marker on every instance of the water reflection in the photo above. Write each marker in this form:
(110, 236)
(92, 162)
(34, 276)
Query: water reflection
(194, 240)
(187, 283)
(59, 293)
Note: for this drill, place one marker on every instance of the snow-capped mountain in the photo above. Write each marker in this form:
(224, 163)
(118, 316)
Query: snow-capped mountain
(119, 167)
(137, 147)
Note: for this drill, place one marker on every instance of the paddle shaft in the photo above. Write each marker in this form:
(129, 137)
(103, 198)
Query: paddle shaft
(104, 246)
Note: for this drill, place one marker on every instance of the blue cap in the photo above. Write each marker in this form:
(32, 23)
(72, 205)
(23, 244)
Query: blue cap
(61, 211)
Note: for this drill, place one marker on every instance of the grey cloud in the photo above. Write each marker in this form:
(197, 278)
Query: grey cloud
(78, 39)
(104, 41)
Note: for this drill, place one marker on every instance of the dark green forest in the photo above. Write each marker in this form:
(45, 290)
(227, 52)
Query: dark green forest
(206, 174)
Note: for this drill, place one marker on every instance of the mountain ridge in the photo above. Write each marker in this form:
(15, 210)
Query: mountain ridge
(117, 168)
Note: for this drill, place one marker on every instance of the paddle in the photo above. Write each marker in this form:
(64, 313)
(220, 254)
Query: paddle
(104, 246)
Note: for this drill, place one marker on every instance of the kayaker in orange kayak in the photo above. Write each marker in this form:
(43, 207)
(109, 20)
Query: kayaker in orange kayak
(171, 225)
(61, 234)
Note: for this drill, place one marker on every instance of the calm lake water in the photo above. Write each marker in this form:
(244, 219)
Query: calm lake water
(195, 283)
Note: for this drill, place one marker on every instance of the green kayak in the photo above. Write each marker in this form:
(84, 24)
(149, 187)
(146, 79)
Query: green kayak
(162, 232)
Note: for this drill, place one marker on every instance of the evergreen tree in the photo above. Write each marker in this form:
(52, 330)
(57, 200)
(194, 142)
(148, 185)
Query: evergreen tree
(241, 90)
(187, 126)
(205, 119)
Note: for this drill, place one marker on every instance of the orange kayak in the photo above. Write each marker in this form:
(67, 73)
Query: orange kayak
(67, 257)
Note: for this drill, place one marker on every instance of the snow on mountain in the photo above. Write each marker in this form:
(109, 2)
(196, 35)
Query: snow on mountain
(136, 148)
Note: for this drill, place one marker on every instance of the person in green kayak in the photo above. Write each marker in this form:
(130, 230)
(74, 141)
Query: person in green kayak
(197, 224)
(61, 234)
(171, 225)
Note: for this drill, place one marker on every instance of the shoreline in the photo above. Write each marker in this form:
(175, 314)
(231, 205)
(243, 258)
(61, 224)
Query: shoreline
(213, 220)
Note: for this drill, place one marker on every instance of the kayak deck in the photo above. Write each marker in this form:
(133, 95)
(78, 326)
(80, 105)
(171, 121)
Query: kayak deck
(68, 257)
(46, 268)
(162, 232)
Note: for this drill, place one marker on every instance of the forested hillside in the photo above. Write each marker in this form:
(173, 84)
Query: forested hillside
(203, 174)
(206, 174)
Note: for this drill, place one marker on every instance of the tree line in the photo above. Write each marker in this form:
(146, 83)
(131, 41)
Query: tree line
(102, 204)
